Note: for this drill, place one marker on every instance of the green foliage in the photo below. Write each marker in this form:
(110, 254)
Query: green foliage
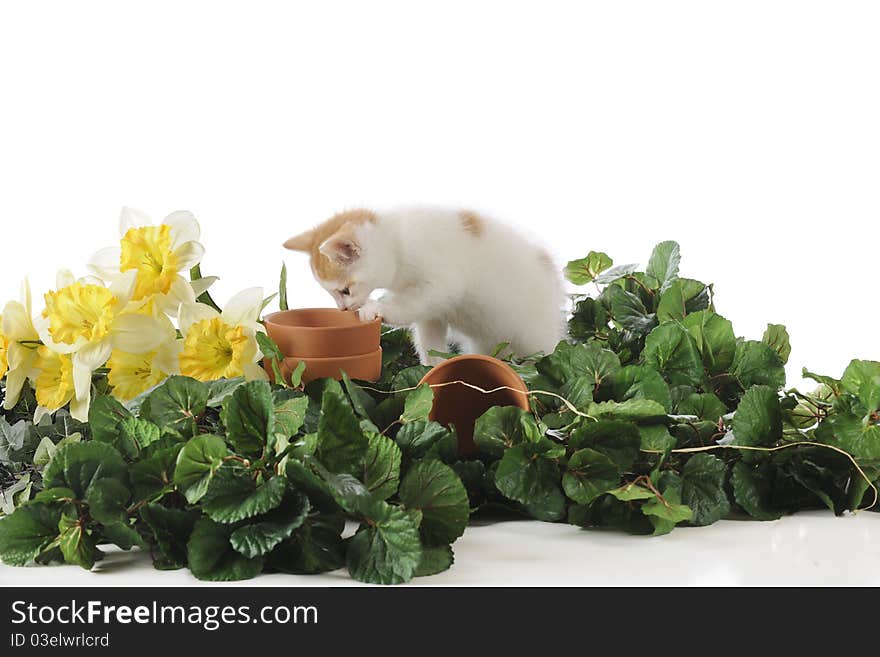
(677, 420)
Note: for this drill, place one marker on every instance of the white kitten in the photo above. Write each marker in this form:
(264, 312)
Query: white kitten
(442, 271)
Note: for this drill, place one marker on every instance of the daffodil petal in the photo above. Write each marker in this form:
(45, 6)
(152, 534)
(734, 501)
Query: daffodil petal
(79, 407)
(41, 324)
(166, 358)
(244, 307)
(122, 286)
(201, 285)
(137, 334)
(188, 255)
(17, 323)
(14, 383)
(131, 218)
(64, 278)
(85, 362)
(26, 296)
(105, 263)
(184, 227)
(190, 313)
(253, 372)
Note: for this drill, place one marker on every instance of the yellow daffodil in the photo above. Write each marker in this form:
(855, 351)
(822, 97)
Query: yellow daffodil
(222, 345)
(86, 320)
(18, 342)
(132, 374)
(54, 386)
(158, 255)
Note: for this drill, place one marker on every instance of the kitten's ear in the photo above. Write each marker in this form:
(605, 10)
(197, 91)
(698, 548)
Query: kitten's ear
(302, 242)
(341, 249)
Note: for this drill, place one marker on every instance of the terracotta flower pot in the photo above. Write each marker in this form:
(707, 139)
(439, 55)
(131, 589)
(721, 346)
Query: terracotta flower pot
(366, 367)
(460, 405)
(322, 333)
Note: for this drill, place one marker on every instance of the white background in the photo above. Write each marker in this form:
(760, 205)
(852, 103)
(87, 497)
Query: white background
(748, 131)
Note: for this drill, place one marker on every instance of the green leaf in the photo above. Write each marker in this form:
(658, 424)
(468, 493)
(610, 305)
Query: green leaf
(233, 494)
(107, 500)
(341, 443)
(171, 529)
(702, 488)
(282, 288)
(502, 427)
(316, 547)
(75, 542)
(705, 406)
(758, 420)
(259, 538)
(221, 388)
(628, 310)
(581, 272)
(681, 297)
(155, 474)
(656, 437)
(752, 490)
(641, 382)
(417, 439)
(197, 463)
(588, 360)
(756, 363)
(671, 351)
(663, 264)
(211, 555)
(633, 491)
(862, 379)
(435, 560)
(620, 441)
(386, 550)
(77, 465)
(382, 467)
(105, 416)
(123, 535)
(434, 489)
(28, 532)
(177, 404)
(850, 433)
(525, 476)
(667, 511)
(249, 417)
(633, 409)
(776, 336)
(138, 432)
(418, 404)
(589, 474)
(714, 338)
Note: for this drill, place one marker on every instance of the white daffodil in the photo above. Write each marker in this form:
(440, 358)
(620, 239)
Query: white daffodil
(159, 255)
(18, 345)
(132, 374)
(85, 321)
(222, 345)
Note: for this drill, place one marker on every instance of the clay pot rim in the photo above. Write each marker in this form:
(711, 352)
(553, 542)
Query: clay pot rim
(328, 359)
(521, 385)
(270, 319)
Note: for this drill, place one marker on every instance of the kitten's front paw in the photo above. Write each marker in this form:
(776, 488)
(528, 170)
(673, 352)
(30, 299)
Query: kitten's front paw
(369, 311)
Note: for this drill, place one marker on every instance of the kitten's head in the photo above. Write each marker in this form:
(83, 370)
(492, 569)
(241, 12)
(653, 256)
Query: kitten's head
(348, 258)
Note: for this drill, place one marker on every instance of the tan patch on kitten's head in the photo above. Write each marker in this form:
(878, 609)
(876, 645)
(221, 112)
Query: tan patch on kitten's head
(337, 237)
(546, 260)
(471, 222)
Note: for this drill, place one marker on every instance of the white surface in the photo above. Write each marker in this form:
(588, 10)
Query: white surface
(747, 130)
(811, 548)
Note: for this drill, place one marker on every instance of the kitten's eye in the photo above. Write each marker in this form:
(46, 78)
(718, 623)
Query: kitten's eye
(345, 291)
